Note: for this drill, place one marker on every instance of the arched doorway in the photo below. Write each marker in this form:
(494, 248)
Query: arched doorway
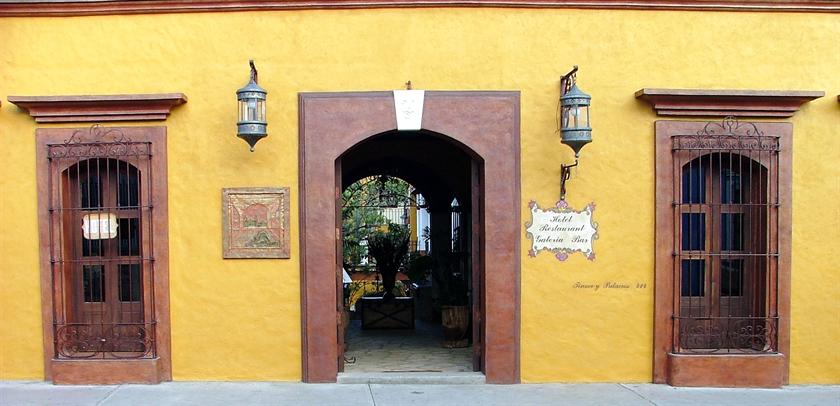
(484, 123)
(428, 326)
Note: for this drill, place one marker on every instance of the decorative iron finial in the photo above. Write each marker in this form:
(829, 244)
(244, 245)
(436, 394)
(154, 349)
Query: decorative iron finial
(253, 71)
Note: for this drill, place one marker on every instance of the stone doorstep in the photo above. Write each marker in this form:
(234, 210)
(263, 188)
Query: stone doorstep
(412, 378)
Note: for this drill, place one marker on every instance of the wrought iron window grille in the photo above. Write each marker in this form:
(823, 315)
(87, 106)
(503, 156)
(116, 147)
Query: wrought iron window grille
(101, 257)
(725, 208)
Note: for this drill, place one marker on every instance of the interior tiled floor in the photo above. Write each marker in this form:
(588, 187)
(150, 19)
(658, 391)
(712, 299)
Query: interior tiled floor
(415, 350)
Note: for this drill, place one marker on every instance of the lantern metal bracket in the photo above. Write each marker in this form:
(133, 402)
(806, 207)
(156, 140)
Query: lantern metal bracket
(565, 174)
(566, 83)
(568, 80)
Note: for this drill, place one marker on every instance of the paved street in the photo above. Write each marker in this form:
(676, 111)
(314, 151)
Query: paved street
(266, 393)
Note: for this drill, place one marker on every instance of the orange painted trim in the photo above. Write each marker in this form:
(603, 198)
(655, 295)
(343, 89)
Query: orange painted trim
(742, 371)
(112, 7)
(107, 372)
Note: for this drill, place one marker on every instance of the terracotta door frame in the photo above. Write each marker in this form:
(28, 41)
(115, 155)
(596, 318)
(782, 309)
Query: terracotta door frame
(483, 123)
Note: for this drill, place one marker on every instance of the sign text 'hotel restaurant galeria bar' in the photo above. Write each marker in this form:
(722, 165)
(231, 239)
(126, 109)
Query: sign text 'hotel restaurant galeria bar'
(587, 191)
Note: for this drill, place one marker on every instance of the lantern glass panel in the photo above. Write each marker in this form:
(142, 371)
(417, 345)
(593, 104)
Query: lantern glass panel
(564, 117)
(574, 116)
(584, 116)
(252, 110)
(261, 110)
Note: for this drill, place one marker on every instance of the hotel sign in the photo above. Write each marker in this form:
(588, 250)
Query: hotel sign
(99, 226)
(562, 230)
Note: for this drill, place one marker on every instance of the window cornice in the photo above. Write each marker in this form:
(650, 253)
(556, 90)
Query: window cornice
(723, 103)
(99, 108)
(11, 8)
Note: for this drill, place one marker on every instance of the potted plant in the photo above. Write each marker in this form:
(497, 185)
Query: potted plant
(449, 276)
(389, 248)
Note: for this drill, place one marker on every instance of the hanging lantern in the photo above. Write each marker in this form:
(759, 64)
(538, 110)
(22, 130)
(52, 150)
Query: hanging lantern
(574, 119)
(575, 130)
(251, 126)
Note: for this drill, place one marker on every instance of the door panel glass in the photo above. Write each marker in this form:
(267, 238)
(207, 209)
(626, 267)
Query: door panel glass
(130, 283)
(694, 184)
(129, 235)
(693, 231)
(731, 231)
(91, 248)
(128, 189)
(732, 277)
(90, 192)
(730, 187)
(693, 277)
(93, 283)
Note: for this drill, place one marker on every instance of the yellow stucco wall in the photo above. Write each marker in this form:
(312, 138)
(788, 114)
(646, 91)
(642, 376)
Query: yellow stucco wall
(240, 319)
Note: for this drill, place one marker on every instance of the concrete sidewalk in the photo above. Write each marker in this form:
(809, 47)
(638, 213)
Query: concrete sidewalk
(266, 393)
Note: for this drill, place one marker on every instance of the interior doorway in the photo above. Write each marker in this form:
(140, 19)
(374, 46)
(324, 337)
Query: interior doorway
(411, 229)
(484, 125)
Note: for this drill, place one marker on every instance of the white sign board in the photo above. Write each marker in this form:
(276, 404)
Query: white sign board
(99, 226)
(562, 230)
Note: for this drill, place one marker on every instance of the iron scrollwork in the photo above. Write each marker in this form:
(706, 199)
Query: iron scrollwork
(83, 341)
(727, 335)
(99, 142)
(730, 134)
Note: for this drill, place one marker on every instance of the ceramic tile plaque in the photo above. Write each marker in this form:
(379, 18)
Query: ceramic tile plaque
(255, 222)
(562, 230)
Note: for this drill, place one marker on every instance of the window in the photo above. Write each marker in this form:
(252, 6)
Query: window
(722, 252)
(102, 244)
(724, 261)
(102, 225)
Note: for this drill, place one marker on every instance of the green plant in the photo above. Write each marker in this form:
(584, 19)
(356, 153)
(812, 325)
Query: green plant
(419, 265)
(389, 248)
(361, 213)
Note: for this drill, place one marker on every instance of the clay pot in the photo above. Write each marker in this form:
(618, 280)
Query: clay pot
(455, 321)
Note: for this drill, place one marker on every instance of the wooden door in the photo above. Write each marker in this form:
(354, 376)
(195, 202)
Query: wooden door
(104, 269)
(722, 238)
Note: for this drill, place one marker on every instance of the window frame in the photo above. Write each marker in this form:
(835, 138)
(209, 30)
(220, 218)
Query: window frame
(695, 369)
(105, 371)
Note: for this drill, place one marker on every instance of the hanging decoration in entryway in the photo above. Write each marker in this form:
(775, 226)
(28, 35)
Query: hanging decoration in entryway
(562, 230)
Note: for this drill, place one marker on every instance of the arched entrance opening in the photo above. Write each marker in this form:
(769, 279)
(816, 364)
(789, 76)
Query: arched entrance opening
(422, 186)
(485, 123)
